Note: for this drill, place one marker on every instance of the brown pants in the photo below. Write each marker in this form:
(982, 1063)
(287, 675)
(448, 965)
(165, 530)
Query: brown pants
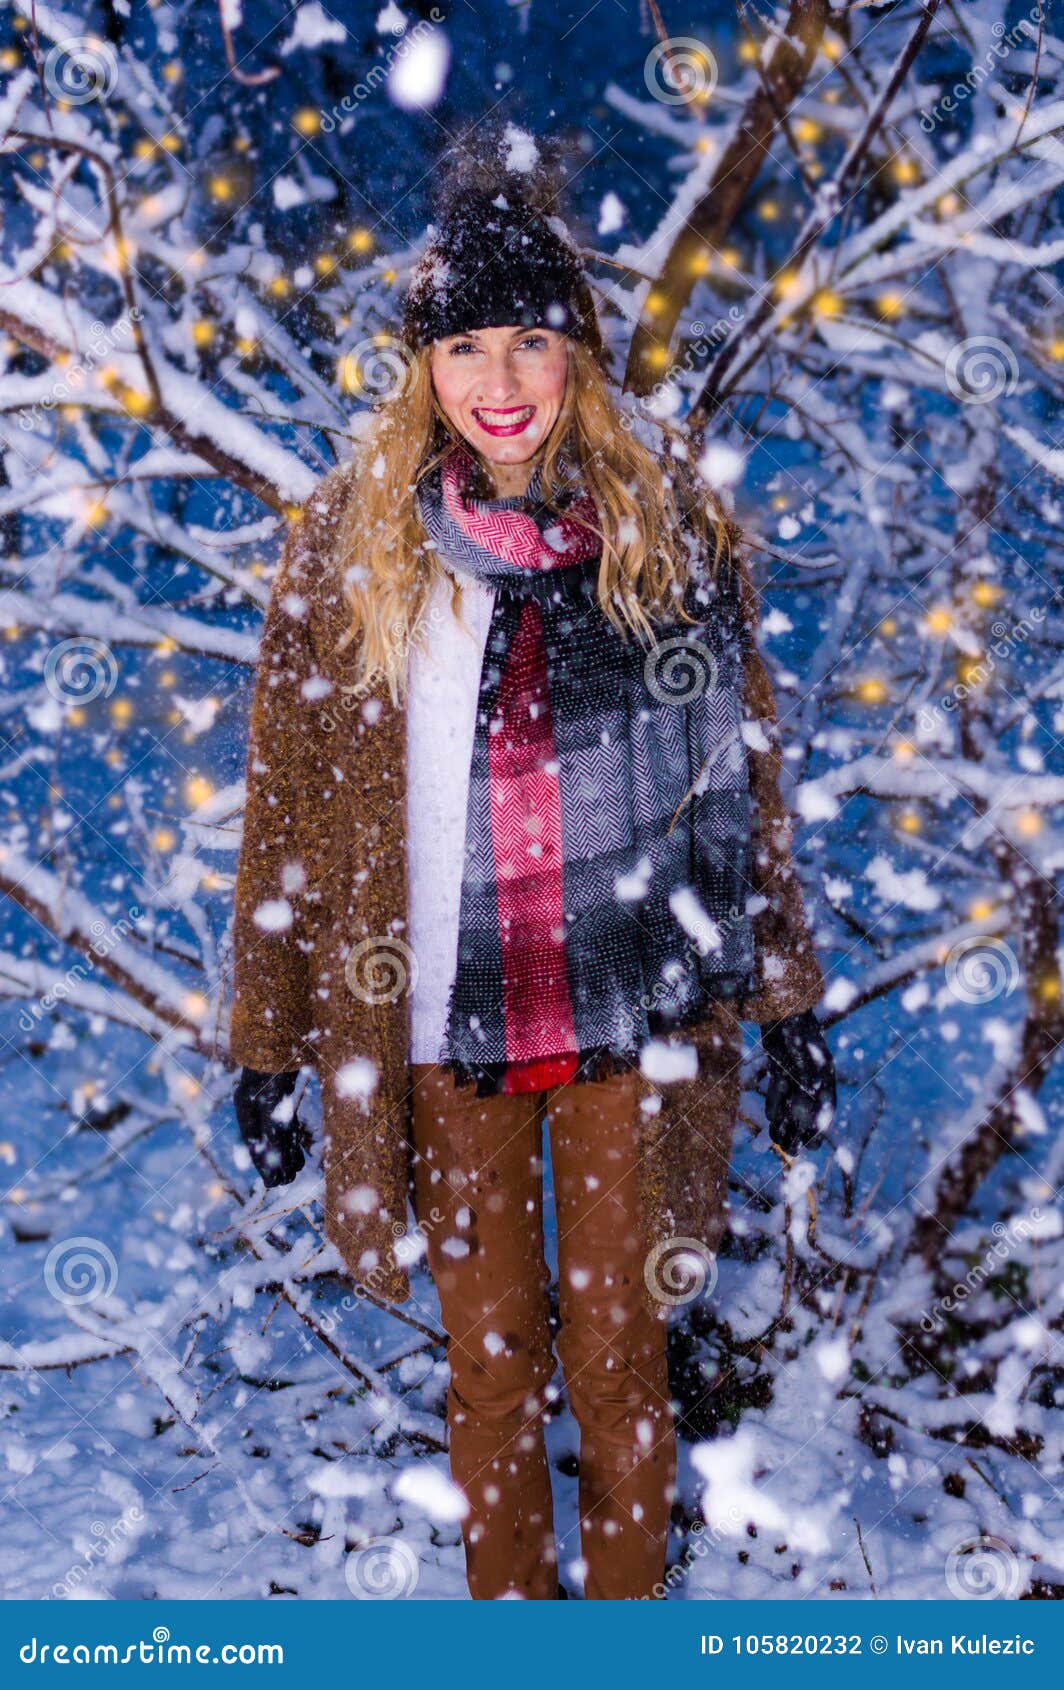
(479, 1200)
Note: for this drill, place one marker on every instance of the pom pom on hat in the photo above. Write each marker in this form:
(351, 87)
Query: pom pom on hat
(499, 252)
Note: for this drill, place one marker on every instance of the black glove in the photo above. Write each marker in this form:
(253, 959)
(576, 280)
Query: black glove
(800, 1101)
(276, 1147)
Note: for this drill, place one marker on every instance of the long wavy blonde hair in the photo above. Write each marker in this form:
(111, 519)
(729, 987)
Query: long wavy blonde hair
(655, 521)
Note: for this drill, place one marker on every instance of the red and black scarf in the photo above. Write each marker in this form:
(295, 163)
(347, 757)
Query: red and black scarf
(608, 832)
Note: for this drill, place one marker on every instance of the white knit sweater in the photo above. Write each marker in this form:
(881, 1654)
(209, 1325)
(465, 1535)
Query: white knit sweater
(443, 684)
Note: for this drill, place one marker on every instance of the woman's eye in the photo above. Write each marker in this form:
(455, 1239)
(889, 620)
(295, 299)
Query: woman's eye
(462, 346)
(534, 340)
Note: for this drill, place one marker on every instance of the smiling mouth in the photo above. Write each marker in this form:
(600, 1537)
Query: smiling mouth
(509, 421)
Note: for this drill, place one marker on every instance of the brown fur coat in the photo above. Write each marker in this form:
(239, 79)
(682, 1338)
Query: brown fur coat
(323, 875)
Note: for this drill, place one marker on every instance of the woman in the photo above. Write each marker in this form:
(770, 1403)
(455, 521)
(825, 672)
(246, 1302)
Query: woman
(514, 851)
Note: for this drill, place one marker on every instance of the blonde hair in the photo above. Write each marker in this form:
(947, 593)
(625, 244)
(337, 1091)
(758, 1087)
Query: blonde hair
(654, 524)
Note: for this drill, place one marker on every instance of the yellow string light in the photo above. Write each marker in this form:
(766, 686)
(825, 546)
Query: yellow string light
(198, 789)
(872, 691)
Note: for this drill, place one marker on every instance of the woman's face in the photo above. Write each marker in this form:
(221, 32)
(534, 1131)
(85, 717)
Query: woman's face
(502, 388)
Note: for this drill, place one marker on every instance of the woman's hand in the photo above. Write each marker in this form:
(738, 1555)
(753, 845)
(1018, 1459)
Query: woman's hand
(800, 1101)
(269, 1125)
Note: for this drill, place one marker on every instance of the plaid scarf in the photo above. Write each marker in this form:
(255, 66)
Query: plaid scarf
(607, 844)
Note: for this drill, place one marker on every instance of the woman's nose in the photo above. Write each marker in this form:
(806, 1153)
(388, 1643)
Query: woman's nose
(498, 381)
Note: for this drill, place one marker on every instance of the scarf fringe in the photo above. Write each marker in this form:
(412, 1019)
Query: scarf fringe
(598, 1062)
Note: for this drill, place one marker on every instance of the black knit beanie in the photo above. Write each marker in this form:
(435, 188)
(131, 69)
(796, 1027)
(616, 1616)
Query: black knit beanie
(498, 253)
